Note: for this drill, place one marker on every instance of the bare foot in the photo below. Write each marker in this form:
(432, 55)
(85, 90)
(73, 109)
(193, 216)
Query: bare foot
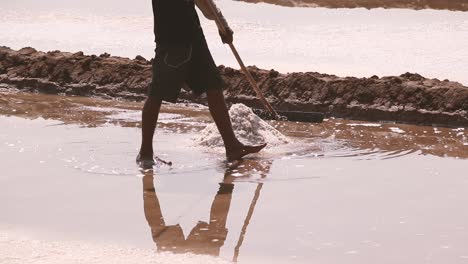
(149, 161)
(241, 151)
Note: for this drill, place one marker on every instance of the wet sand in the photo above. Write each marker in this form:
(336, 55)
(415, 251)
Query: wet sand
(341, 192)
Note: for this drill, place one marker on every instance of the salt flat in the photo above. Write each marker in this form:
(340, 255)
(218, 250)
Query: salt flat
(346, 42)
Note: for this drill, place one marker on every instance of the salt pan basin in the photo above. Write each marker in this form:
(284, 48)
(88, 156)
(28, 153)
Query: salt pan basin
(338, 192)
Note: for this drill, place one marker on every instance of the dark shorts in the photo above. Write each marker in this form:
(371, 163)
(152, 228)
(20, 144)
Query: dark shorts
(189, 64)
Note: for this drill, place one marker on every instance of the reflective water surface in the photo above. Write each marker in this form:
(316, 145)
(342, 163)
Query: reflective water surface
(341, 192)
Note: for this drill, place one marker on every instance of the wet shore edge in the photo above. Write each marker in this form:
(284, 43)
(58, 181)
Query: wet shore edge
(408, 98)
(453, 5)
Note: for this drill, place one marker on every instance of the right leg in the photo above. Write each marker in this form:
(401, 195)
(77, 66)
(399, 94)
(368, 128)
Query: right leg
(149, 118)
(204, 76)
(235, 150)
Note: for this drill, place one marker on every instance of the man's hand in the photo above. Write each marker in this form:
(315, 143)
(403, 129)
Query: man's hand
(211, 12)
(227, 37)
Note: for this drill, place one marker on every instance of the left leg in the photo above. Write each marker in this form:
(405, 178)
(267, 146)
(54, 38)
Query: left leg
(149, 118)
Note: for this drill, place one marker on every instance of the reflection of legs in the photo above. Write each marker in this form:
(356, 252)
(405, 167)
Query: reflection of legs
(219, 214)
(152, 207)
(218, 109)
(207, 239)
(220, 207)
(149, 119)
(166, 237)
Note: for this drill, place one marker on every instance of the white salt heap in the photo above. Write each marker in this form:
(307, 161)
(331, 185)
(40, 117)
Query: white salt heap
(248, 127)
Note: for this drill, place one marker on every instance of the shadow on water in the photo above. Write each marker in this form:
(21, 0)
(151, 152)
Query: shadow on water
(206, 238)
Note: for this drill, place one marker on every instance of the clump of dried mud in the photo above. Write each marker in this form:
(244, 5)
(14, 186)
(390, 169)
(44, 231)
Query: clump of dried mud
(409, 98)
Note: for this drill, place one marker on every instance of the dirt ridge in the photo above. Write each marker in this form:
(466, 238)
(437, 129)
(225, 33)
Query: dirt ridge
(453, 5)
(408, 98)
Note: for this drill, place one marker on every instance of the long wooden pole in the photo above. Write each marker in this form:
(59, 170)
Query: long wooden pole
(249, 76)
(253, 83)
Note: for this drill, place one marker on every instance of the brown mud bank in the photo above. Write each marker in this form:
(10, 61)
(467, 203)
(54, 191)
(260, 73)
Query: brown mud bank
(409, 98)
(454, 5)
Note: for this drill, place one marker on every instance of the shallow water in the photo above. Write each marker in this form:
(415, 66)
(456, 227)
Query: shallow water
(340, 192)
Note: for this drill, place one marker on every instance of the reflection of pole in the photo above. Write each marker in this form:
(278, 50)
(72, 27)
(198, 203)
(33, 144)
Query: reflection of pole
(247, 221)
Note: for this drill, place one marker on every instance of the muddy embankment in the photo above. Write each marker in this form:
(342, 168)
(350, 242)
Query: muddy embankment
(454, 5)
(409, 98)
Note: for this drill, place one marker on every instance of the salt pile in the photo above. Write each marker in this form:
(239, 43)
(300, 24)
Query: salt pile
(248, 127)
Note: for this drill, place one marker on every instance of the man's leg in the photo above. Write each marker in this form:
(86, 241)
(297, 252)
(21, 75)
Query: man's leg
(149, 118)
(219, 111)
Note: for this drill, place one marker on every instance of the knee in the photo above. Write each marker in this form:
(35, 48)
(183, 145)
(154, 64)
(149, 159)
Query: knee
(152, 104)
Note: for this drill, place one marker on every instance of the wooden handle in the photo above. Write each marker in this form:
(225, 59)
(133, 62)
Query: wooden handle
(251, 80)
(253, 83)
